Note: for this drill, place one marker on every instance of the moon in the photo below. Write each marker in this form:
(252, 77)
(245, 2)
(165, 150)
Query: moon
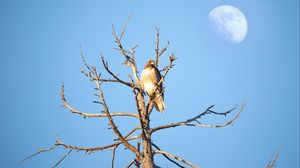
(229, 22)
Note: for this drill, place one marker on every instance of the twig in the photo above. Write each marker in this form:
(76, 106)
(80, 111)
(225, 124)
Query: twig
(84, 114)
(113, 157)
(114, 149)
(156, 46)
(158, 52)
(39, 151)
(164, 49)
(194, 119)
(105, 64)
(131, 163)
(124, 27)
(129, 60)
(92, 149)
(90, 76)
(172, 59)
(166, 156)
(175, 157)
(62, 158)
(272, 162)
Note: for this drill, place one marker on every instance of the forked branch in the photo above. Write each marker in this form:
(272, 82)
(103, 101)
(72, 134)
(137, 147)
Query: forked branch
(175, 157)
(90, 74)
(167, 157)
(158, 51)
(87, 150)
(115, 147)
(128, 55)
(113, 125)
(67, 154)
(105, 65)
(194, 121)
(87, 115)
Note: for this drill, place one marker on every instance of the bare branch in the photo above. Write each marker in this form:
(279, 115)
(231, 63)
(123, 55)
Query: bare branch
(89, 150)
(84, 114)
(175, 157)
(39, 151)
(129, 60)
(194, 119)
(272, 162)
(156, 46)
(172, 59)
(164, 49)
(125, 26)
(105, 64)
(84, 61)
(104, 80)
(131, 163)
(158, 52)
(140, 104)
(114, 127)
(114, 149)
(113, 157)
(118, 41)
(166, 156)
(91, 72)
(62, 158)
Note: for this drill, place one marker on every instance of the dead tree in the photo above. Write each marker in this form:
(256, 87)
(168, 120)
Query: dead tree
(145, 149)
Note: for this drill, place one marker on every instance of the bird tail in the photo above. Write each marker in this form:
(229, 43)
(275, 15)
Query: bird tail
(159, 104)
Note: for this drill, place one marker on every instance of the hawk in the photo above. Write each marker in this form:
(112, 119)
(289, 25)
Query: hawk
(150, 78)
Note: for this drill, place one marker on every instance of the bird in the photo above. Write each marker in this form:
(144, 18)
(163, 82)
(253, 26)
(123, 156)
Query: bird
(150, 78)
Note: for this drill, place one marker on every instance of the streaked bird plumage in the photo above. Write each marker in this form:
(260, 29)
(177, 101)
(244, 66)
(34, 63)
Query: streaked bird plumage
(150, 78)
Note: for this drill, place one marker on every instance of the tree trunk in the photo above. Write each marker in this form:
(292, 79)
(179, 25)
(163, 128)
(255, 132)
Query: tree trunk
(147, 160)
(147, 155)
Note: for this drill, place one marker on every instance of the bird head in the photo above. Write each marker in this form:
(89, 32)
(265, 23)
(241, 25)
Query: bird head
(150, 63)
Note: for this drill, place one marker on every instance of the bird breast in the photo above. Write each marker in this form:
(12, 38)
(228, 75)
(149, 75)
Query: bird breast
(147, 83)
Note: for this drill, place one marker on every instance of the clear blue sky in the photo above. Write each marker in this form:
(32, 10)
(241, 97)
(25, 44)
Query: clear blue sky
(40, 51)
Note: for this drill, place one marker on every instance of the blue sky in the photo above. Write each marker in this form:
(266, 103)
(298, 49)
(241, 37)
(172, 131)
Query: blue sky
(40, 51)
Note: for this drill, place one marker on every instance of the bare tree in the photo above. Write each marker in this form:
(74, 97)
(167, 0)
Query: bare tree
(145, 149)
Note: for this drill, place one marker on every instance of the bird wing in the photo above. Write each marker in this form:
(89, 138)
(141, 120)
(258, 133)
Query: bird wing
(156, 77)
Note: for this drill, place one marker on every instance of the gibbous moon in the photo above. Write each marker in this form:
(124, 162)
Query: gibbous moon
(229, 22)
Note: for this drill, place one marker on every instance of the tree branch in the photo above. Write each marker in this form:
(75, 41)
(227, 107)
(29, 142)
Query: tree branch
(90, 76)
(166, 156)
(89, 150)
(272, 162)
(114, 127)
(113, 157)
(87, 115)
(158, 52)
(39, 151)
(129, 60)
(172, 59)
(114, 149)
(156, 46)
(105, 64)
(189, 122)
(131, 163)
(62, 158)
(140, 104)
(175, 157)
